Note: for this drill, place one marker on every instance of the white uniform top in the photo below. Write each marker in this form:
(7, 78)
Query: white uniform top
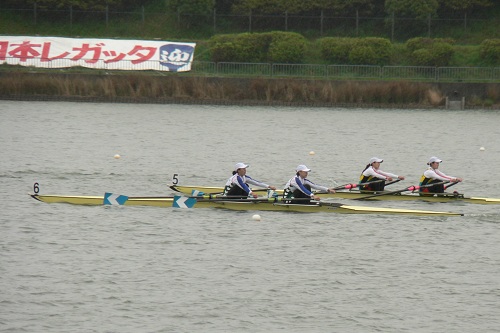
(237, 180)
(297, 183)
(370, 171)
(436, 174)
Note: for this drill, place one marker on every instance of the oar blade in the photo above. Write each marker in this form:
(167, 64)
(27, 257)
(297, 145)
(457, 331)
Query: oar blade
(114, 199)
(183, 202)
(196, 193)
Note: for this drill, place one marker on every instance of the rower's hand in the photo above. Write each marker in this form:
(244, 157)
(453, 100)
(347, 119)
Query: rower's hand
(331, 190)
(457, 180)
(272, 188)
(401, 177)
(389, 179)
(255, 196)
(315, 197)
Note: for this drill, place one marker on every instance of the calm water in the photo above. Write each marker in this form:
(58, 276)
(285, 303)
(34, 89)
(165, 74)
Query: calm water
(70, 268)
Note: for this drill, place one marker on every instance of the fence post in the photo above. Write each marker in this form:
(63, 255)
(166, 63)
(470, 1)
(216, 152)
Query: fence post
(71, 16)
(250, 21)
(357, 22)
(215, 20)
(321, 24)
(392, 27)
(286, 20)
(107, 15)
(428, 25)
(178, 16)
(465, 25)
(143, 25)
(34, 12)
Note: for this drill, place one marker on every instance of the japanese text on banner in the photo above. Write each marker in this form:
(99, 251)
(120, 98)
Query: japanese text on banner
(59, 52)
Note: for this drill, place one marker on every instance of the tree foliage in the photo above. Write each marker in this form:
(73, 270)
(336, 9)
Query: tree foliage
(465, 5)
(275, 46)
(356, 51)
(271, 6)
(430, 51)
(490, 51)
(299, 6)
(78, 4)
(196, 7)
(412, 8)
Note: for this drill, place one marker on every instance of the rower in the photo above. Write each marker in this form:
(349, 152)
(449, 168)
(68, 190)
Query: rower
(433, 175)
(299, 187)
(237, 184)
(371, 173)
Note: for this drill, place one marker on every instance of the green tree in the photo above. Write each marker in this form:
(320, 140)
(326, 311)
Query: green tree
(77, 4)
(465, 5)
(224, 6)
(196, 7)
(273, 6)
(360, 6)
(414, 8)
(300, 6)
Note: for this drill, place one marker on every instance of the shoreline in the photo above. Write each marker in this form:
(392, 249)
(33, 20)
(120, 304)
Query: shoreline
(174, 89)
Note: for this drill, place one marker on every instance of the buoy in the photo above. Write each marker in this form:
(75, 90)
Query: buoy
(256, 217)
(117, 156)
(312, 152)
(482, 149)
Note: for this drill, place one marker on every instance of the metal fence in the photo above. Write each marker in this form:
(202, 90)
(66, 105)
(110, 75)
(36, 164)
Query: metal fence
(349, 72)
(305, 71)
(321, 23)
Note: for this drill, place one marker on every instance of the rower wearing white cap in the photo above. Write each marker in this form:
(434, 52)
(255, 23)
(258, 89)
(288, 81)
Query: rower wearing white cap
(300, 187)
(372, 173)
(236, 185)
(433, 175)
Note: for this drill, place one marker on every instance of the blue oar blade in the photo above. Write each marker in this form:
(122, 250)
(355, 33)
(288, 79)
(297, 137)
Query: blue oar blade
(183, 202)
(114, 199)
(196, 193)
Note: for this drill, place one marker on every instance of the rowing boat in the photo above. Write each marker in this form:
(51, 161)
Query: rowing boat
(445, 197)
(99, 200)
(249, 204)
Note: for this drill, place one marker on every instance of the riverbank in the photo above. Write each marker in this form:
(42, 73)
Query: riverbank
(170, 89)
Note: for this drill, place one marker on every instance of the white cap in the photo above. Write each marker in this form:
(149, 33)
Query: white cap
(375, 159)
(302, 167)
(240, 166)
(434, 159)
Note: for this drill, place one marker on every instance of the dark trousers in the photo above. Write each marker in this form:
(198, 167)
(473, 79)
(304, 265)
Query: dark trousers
(298, 194)
(237, 192)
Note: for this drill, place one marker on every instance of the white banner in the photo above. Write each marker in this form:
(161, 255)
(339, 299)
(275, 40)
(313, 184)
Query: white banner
(58, 52)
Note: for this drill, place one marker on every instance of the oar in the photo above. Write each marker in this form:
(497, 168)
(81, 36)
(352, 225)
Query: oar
(454, 183)
(393, 182)
(411, 188)
(189, 202)
(353, 185)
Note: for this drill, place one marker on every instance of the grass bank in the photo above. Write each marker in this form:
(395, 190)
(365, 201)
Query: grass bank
(237, 91)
